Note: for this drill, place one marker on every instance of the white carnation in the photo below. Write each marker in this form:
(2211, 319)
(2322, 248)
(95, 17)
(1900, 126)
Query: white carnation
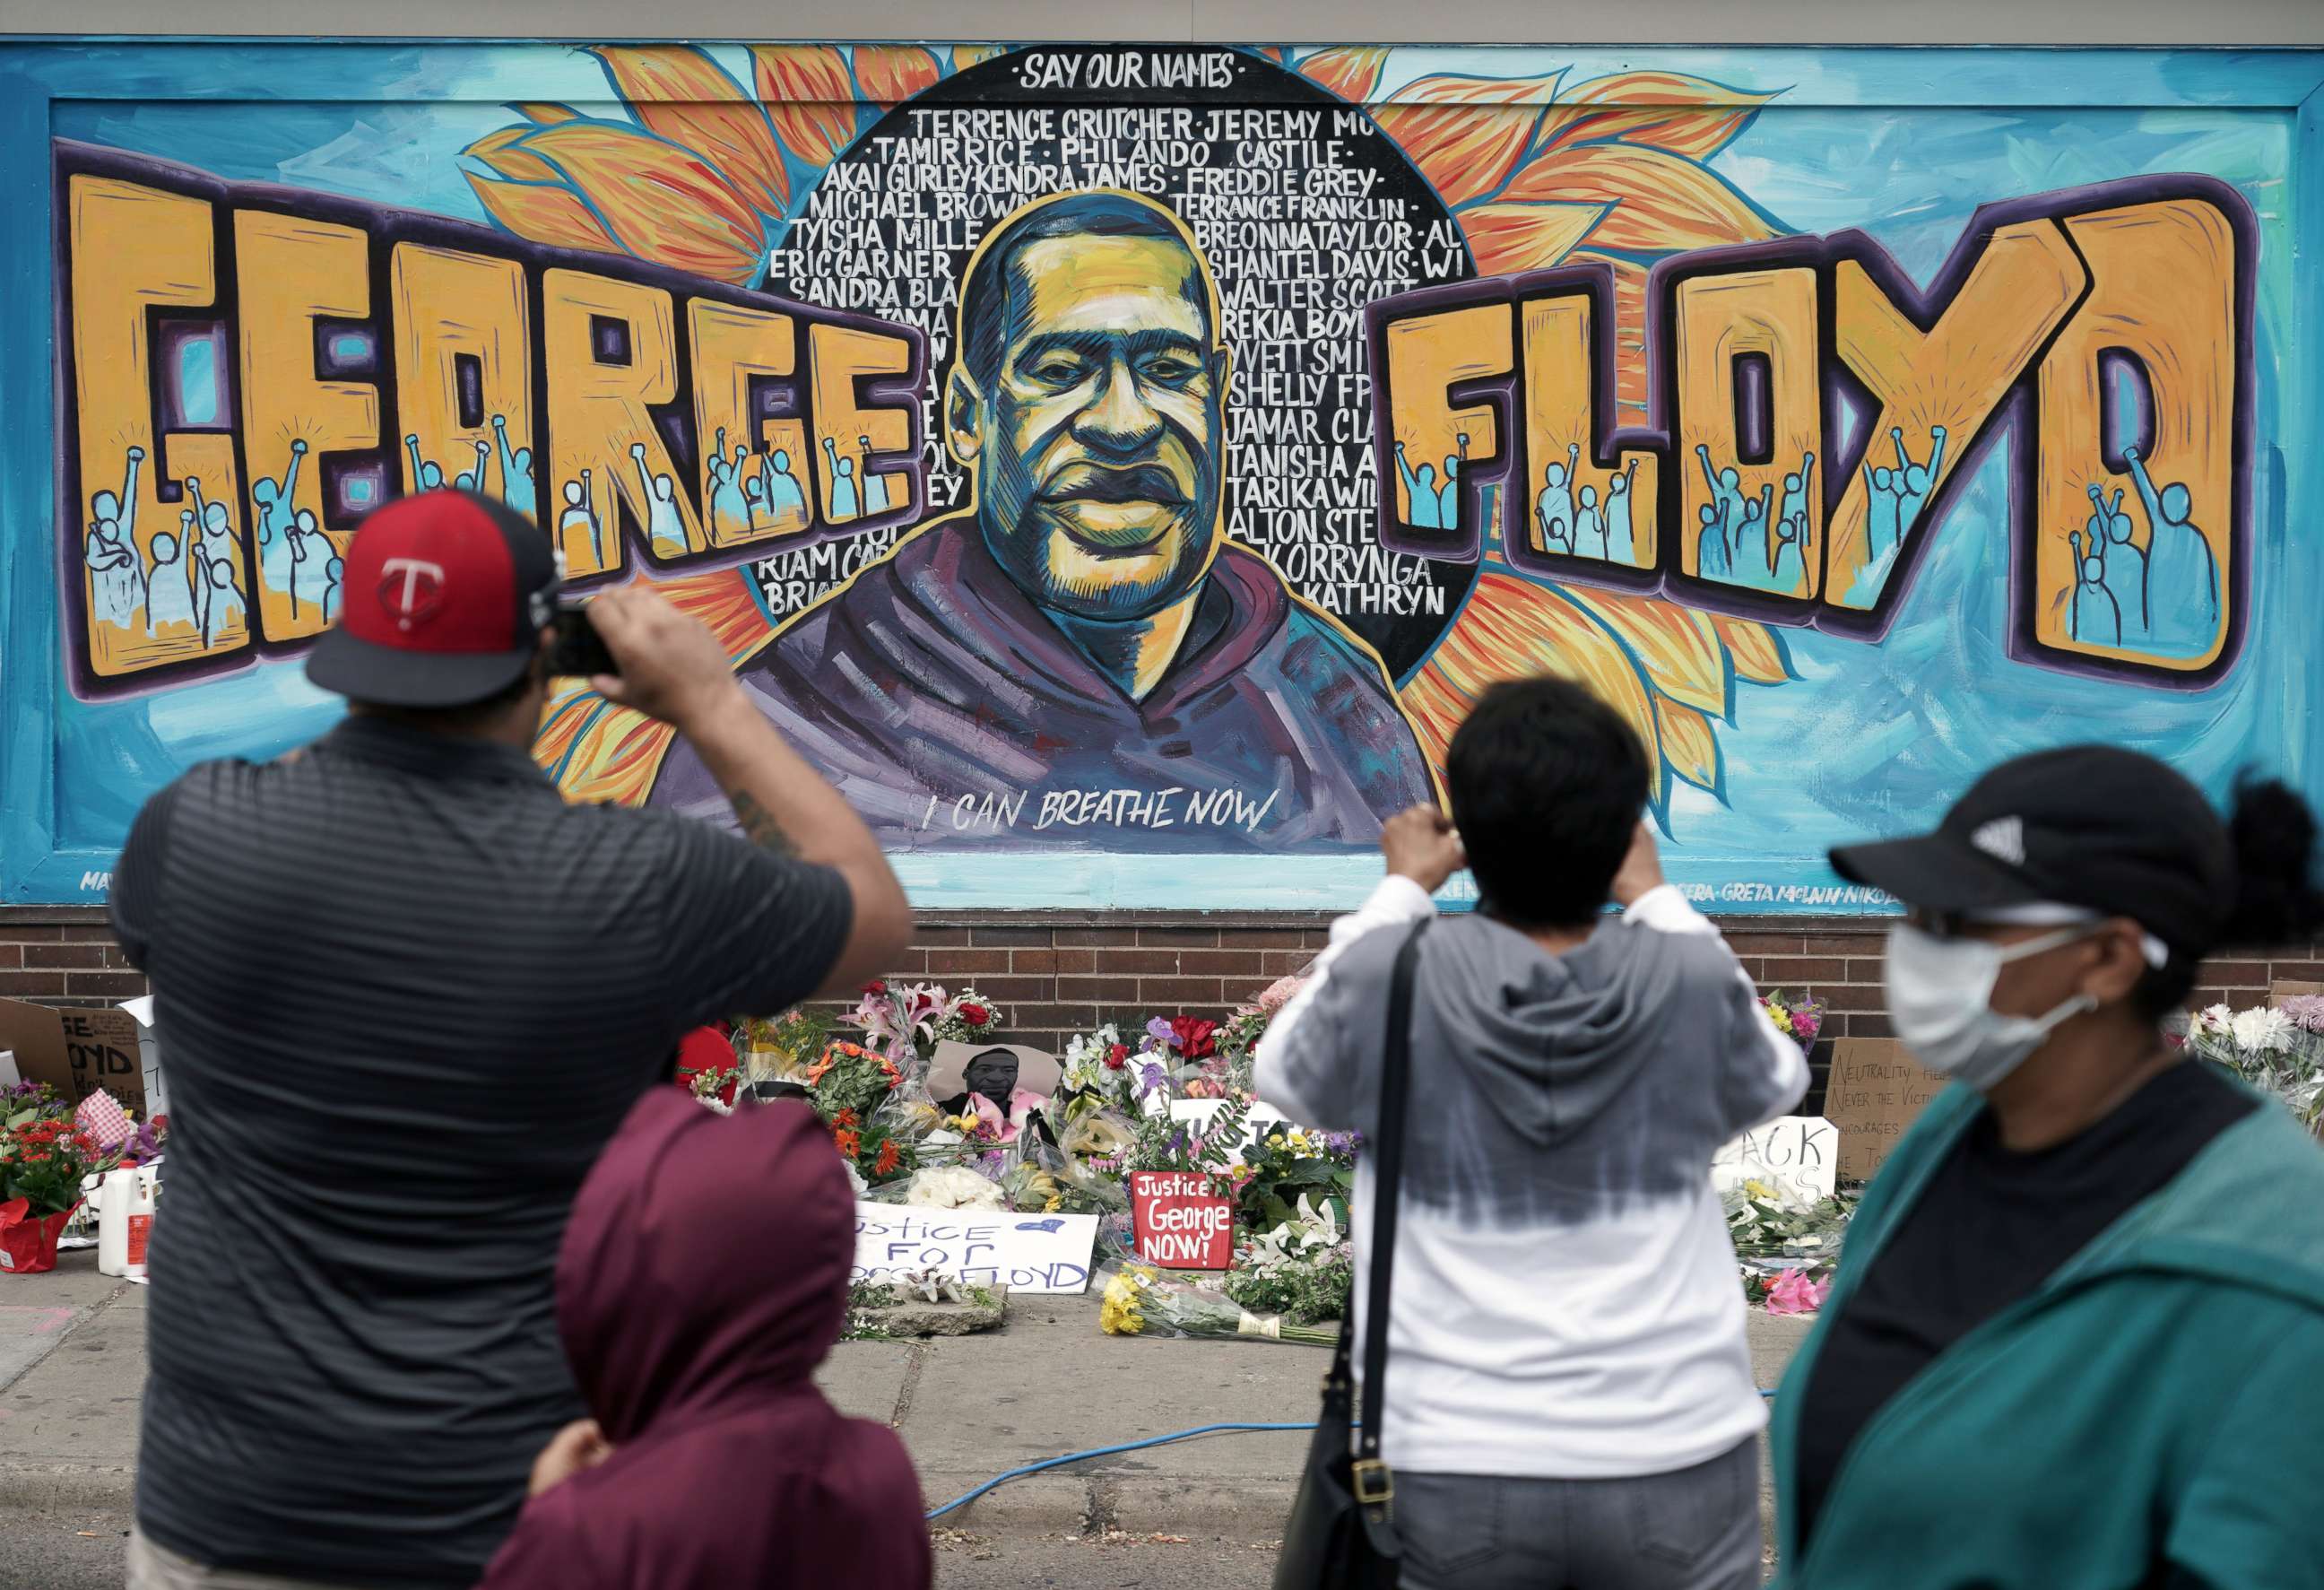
(952, 1187)
(2261, 1030)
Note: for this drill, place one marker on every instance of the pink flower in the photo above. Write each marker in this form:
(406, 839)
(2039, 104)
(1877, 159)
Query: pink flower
(1279, 994)
(1794, 1293)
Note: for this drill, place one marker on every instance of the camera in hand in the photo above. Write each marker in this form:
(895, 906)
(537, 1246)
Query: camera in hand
(578, 651)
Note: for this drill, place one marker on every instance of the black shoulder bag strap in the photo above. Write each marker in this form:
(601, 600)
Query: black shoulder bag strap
(1374, 1485)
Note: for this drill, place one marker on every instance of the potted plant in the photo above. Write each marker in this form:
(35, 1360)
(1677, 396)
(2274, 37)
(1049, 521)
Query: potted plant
(44, 1154)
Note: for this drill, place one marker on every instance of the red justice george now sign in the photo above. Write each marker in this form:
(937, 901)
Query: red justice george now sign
(1178, 1224)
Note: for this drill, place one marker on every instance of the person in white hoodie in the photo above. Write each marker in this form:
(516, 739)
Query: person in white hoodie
(1569, 1398)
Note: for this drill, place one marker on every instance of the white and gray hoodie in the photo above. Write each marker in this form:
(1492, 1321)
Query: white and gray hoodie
(1565, 1301)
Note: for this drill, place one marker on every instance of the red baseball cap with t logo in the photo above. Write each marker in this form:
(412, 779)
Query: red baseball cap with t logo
(442, 604)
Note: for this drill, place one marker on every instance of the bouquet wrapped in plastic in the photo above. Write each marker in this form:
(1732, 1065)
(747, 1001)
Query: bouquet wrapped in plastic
(1139, 1302)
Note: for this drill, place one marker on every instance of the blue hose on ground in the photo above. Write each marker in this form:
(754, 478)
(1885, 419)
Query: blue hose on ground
(1048, 1463)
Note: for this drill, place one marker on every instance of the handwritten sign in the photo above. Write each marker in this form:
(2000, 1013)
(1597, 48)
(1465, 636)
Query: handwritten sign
(79, 1051)
(1798, 1154)
(1876, 1090)
(1199, 1113)
(1177, 1222)
(1026, 1253)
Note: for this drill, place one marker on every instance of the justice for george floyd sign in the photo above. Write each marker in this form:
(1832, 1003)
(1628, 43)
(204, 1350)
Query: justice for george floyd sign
(1024, 1252)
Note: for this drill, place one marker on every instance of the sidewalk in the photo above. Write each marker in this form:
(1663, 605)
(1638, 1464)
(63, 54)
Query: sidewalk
(72, 1370)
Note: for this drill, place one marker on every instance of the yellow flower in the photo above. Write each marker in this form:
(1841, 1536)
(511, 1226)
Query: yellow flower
(1118, 1314)
(1275, 1142)
(1760, 1189)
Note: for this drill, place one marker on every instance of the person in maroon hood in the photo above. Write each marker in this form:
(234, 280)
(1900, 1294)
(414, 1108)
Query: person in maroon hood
(713, 1460)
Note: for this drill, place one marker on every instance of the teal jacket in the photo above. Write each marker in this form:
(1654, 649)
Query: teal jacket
(2162, 1393)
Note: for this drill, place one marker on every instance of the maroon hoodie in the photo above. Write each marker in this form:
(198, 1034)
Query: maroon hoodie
(702, 1280)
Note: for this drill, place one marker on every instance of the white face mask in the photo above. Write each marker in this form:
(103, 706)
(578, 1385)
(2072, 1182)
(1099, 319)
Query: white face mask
(1940, 996)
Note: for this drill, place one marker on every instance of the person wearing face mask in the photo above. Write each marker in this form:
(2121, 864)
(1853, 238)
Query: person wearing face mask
(2073, 1341)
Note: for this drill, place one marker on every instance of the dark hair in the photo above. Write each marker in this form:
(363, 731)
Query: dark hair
(2273, 836)
(470, 716)
(988, 310)
(1548, 783)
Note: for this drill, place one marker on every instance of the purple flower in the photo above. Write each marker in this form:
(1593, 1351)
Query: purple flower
(1159, 1031)
(2305, 1012)
(1342, 1142)
(1178, 1143)
(1151, 1076)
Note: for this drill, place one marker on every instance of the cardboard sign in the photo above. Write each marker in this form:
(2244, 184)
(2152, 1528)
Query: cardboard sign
(1200, 1112)
(1027, 1253)
(78, 1051)
(1178, 1223)
(1876, 1090)
(1799, 1154)
(2277, 992)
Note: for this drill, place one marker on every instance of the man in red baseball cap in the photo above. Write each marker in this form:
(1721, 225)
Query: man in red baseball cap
(410, 992)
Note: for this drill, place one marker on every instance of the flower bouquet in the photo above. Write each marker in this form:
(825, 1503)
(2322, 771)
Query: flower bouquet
(2279, 1051)
(1776, 1237)
(1288, 1166)
(45, 1155)
(1137, 1302)
(1799, 1020)
(1097, 1075)
(906, 1023)
(855, 1092)
(1303, 1268)
(780, 1049)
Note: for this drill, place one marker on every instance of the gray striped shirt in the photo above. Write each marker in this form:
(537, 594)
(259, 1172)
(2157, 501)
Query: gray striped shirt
(405, 994)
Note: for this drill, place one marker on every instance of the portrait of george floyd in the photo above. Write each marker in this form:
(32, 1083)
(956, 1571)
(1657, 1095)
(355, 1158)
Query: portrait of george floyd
(1083, 638)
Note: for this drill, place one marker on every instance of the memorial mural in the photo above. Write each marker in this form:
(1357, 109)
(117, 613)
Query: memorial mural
(1146, 454)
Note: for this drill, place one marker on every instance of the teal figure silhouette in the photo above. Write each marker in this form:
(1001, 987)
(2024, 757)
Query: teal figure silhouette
(1422, 509)
(730, 508)
(2108, 520)
(2097, 616)
(1621, 543)
(431, 476)
(1883, 525)
(117, 575)
(334, 576)
(169, 590)
(311, 550)
(783, 494)
(215, 560)
(1726, 488)
(2182, 572)
(665, 527)
(1791, 519)
(1914, 481)
(579, 514)
(278, 517)
(1588, 522)
(1713, 558)
(1751, 558)
(875, 486)
(1448, 493)
(472, 479)
(843, 502)
(1554, 507)
(516, 470)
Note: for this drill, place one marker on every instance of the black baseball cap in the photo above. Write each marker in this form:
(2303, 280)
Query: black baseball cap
(2094, 826)
(444, 596)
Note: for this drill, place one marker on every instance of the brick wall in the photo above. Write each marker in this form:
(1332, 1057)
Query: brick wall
(1058, 973)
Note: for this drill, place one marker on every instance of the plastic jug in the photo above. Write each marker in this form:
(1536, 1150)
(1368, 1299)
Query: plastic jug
(124, 1217)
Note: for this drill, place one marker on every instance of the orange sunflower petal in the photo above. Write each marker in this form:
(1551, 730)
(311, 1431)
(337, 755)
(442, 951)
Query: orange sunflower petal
(1690, 747)
(1508, 238)
(666, 203)
(543, 214)
(503, 152)
(1756, 652)
(1675, 645)
(892, 73)
(1693, 116)
(1662, 202)
(721, 601)
(680, 93)
(808, 96)
(599, 752)
(1347, 71)
(543, 111)
(965, 56)
(1511, 629)
(1466, 133)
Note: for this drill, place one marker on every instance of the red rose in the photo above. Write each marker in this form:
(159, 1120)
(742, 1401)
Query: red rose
(1117, 1056)
(1193, 1035)
(975, 1015)
(875, 986)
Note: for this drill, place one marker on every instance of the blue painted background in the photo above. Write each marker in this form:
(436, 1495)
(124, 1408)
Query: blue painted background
(1904, 144)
